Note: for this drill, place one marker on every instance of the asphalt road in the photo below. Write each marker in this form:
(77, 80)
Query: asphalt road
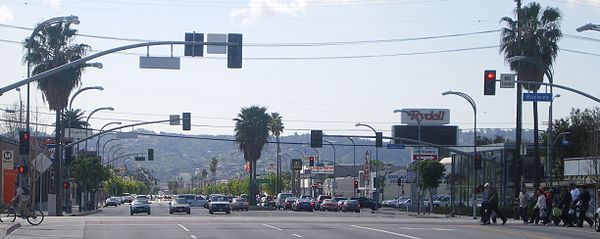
(117, 223)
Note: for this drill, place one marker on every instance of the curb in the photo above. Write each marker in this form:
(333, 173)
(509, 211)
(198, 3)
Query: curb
(85, 213)
(7, 231)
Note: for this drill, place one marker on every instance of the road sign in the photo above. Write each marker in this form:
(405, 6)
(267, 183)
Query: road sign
(42, 163)
(261, 180)
(8, 159)
(212, 49)
(296, 164)
(155, 62)
(425, 153)
(396, 146)
(545, 97)
(507, 80)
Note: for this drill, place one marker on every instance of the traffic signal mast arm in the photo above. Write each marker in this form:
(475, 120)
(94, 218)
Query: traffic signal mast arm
(559, 86)
(113, 129)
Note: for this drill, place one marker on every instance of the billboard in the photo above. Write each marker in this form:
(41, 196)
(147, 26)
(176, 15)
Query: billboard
(439, 135)
(426, 116)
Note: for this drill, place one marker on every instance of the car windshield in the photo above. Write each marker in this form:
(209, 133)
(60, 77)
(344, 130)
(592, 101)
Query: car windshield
(328, 201)
(188, 197)
(351, 202)
(219, 199)
(239, 199)
(290, 199)
(140, 201)
(181, 201)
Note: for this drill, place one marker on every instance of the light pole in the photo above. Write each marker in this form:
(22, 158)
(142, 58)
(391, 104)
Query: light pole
(87, 121)
(589, 26)
(354, 168)
(100, 88)
(334, 166)
(20, 108)
(414, 191)
(101, 130)
(549, 148)
(375, 195)
(105, 143)
(474, 106)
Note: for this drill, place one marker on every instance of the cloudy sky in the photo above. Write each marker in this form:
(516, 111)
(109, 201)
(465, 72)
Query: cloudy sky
(322, 64)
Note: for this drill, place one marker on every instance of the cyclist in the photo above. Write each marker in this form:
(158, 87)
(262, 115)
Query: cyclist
(22, 200)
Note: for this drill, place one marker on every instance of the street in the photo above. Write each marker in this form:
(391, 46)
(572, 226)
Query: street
(117, 223)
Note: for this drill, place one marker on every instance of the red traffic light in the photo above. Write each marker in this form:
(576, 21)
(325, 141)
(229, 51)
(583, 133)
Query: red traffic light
(491, 75)
(355, 184)
(26, 135)
(66, 185)
(21, 169)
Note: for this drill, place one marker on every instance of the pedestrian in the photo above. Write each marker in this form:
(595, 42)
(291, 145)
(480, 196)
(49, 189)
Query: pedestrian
(483, 209)
(539, 210)
(493, 202)
(523, 200)
(556, 206)
(584, 202)
(566, 201)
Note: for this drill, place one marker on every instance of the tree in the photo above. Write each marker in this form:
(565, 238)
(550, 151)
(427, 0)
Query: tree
(204, 174)
(535, 36)
(213, 167)
(76, 116)
(251, 135)
(272, 181)
(276, 128)
(51, 47)
(89, 173)
(430, 173)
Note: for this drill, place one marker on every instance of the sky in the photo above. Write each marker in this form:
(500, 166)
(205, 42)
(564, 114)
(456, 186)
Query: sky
(409, 59)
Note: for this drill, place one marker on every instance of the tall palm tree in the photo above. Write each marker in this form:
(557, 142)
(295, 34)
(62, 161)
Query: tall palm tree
(534, 35)
(204, 174)
(276, 128)
(251, 135)
(77, 119)
(213, 167)
(51, 47)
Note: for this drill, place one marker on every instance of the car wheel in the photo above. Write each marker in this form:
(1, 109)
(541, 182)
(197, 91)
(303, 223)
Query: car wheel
(227, 212)
(148, 213)
(210, 211)
(188, 211)
(246, 209)
(131, 213)
(170, 212)
(597, 224)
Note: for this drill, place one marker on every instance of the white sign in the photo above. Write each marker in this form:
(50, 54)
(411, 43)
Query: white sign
(76, 133)
(154, 62)
(424, 153)
(127, 135)
(425, 116)
(41, 163)
(8, 159)
(507, 80)
(212, 49)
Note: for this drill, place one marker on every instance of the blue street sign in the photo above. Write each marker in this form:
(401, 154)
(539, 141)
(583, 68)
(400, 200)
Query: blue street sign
(547, 97)
(396, 146)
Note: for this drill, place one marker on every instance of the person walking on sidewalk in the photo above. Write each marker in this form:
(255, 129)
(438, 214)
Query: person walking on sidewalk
(493, 202)
(539, 210)
(584, 203)
(523, 200)
(566, 201)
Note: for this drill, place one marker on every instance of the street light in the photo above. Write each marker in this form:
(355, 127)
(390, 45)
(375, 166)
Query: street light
(87, 121)
(376, 157)
(100, 88)
(589, 26)
(105, 143)
(474, 106)
(550, 147)
(334, 166)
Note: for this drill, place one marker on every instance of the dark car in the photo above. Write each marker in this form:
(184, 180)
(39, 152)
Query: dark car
(139, 206)
(329, 205)
(367, 203)
(219, 203)
(111, 202)
(179, 205)
(351, 206)
(239, 204)
(320, 199)
(303, 204)
(289, 202)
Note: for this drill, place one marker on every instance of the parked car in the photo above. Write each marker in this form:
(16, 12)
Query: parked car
(329, 205)
(404, 203)
(111, 202)
(179, 205)
(218, 203)
(351, 206)
(289, 202)
(597, 220)
(239, 204)
(139, 206)
(280, 199)
(367, 203)
(320, 199)
(303, 204)
(443, 201)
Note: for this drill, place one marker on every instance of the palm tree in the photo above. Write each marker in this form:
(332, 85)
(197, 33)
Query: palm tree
(536, 37)
(77, 119)
(204, 175)
(276, 128)
(213, 167)
(251, 135)
(52, 47)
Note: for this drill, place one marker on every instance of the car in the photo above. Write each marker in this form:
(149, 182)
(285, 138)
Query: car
(404, 203)
(111, 202)
(367, 203)
(239, 204)
(320, 199)
(303, 204)
(351, 206)
(443, 201)
(218, 203)
(141, 197)
(289, 202)
(329, 205)
(597, 218)
(339, 201)
(139, 206)
(193, 200)
(280, 199)
(179, 205)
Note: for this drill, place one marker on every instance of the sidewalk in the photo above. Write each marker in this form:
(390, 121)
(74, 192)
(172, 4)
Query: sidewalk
(8, 227)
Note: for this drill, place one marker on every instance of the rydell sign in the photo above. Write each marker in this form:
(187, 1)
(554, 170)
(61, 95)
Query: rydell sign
(425, 116)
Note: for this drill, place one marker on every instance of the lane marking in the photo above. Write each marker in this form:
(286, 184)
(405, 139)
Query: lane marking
(388, 232)
(182, 227)
(274, 227)
(296, 235)
(423, 228)
(193, 237)
(484, 228)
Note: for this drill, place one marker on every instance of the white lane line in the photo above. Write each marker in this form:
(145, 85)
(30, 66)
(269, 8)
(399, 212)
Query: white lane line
(269, 226)
(422, 228)
(296, 235)
(182, 227)
(388, 232)
(193, 237)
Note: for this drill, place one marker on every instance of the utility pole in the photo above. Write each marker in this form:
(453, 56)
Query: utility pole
(517, 162)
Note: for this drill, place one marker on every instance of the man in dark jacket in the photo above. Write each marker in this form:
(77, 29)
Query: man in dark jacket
(566, 201)
(493, 202)
(584, 203)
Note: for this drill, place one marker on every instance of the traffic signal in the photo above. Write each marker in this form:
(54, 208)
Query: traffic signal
(68, 155)
(186, 121)
(66, 185)
(355, 183)
(24, 142)
(194, 50)
(234, 52)
(311, 161)
(22, 169)
(150, 154)
(489, 82)
(478, 161)
(316, 138)
(378, 139)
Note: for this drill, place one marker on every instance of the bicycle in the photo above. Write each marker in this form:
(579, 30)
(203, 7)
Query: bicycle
(33, 216)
